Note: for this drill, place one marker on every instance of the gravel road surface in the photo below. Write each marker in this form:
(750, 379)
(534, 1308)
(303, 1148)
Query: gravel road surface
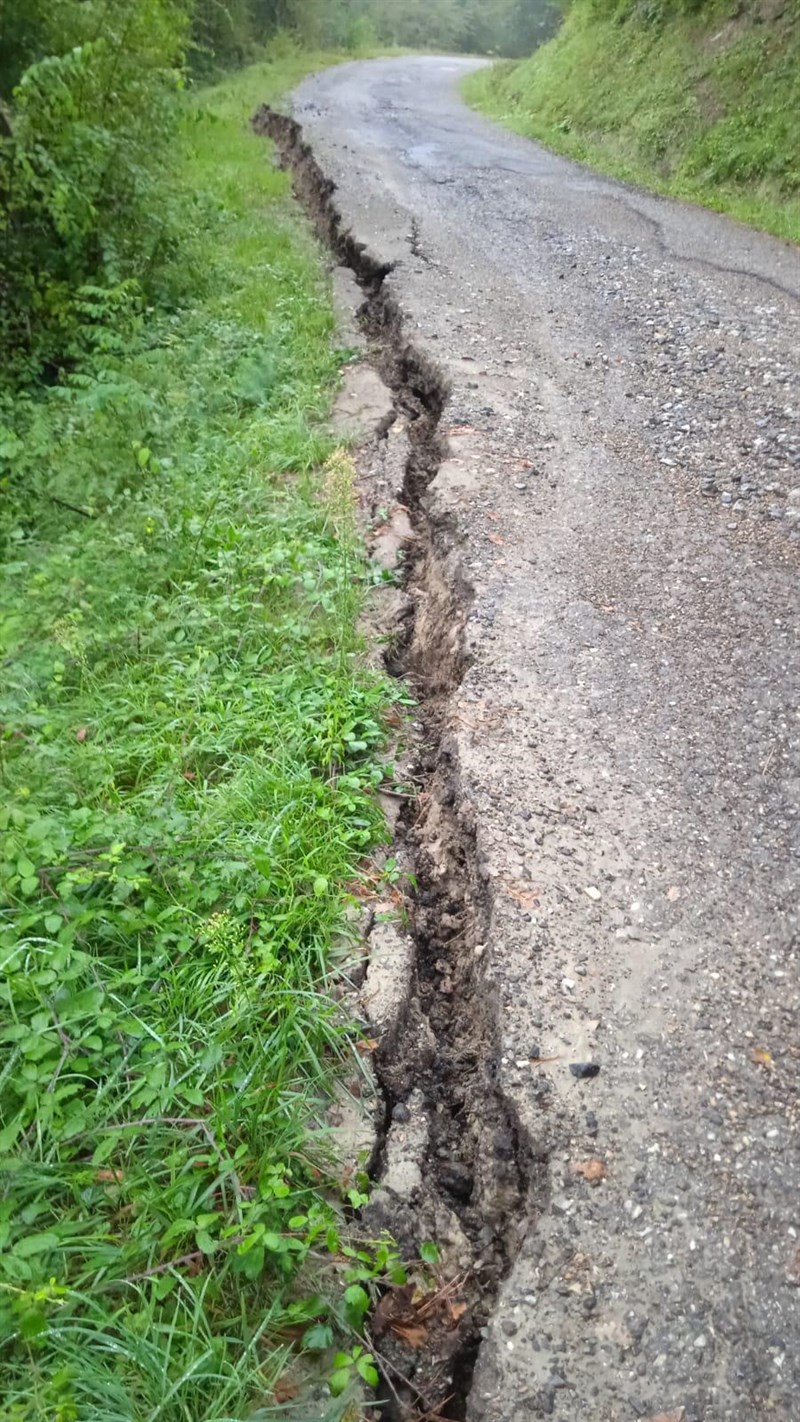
(624, 484)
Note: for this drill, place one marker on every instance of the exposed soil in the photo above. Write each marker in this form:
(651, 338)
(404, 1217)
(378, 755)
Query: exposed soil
(443, 1062)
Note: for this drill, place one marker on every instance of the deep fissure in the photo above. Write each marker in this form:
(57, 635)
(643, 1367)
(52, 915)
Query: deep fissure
(446, 1058)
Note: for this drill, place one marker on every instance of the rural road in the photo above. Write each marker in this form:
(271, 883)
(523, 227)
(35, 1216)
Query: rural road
(624, 489)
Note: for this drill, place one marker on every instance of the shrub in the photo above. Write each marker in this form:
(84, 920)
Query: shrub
(84, 192)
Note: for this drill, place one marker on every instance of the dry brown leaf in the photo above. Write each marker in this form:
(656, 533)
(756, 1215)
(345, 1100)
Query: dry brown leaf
(592, 1170)
(285, 1390)
(495, 538)
(367, 1044)
(457, 1311)
(762, 1057)
(412, 1333)
(109, 1177)
(392, 1307)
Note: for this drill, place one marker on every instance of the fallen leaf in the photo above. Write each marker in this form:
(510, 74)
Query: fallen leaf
(592, 1170)
(81, 733)
(495, 538)
(367, 1044)
(493, 516)
(412, 1333)
(457, 1311)
(285, 1390)
(391, 1307)
(762, 1057)
(109, 1177)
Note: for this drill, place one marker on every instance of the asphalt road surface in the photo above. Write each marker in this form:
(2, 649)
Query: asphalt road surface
(625, 489)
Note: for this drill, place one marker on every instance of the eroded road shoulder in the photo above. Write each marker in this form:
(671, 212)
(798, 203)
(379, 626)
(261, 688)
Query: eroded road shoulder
(622, 492)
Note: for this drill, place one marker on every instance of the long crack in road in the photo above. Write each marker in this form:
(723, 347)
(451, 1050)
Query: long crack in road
(623, 487)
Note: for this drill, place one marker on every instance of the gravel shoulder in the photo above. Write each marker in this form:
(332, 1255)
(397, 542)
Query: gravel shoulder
(623, 483)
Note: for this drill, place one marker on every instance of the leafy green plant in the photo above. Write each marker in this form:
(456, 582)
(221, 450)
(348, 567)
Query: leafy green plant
(348, 1366)
(86, 216)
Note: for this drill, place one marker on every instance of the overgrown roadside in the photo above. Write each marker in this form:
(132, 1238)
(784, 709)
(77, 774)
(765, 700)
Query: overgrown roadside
(189, 754)
(696, 100)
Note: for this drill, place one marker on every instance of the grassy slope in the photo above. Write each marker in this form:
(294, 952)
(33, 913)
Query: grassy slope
(187, 753)
(705, 107)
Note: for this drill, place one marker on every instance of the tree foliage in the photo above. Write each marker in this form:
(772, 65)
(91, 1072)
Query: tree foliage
(89, 112)
(223, 32)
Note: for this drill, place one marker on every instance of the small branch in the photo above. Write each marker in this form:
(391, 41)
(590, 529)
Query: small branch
(162, 1268)
(401, 1377)
(73, 508)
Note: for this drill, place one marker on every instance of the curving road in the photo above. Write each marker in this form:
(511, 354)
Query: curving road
(625, 488)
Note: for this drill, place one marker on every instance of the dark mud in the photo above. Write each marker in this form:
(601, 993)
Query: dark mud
(444, 1060)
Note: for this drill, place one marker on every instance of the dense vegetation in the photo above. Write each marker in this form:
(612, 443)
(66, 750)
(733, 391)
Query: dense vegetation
(510, 27)
(698, 98)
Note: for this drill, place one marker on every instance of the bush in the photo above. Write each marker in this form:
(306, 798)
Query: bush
(84, 192)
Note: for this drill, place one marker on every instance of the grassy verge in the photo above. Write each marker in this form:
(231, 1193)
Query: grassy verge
(701, 106)
(187, 755)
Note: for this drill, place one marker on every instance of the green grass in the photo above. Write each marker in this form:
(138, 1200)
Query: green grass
(188, 755)
(701, 106)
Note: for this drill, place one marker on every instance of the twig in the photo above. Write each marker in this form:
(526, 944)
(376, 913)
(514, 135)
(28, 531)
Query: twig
(440, 1295)
(155, 1121)
(401, 1377)
(73, 508)
(161, 1268)
(768, 762)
